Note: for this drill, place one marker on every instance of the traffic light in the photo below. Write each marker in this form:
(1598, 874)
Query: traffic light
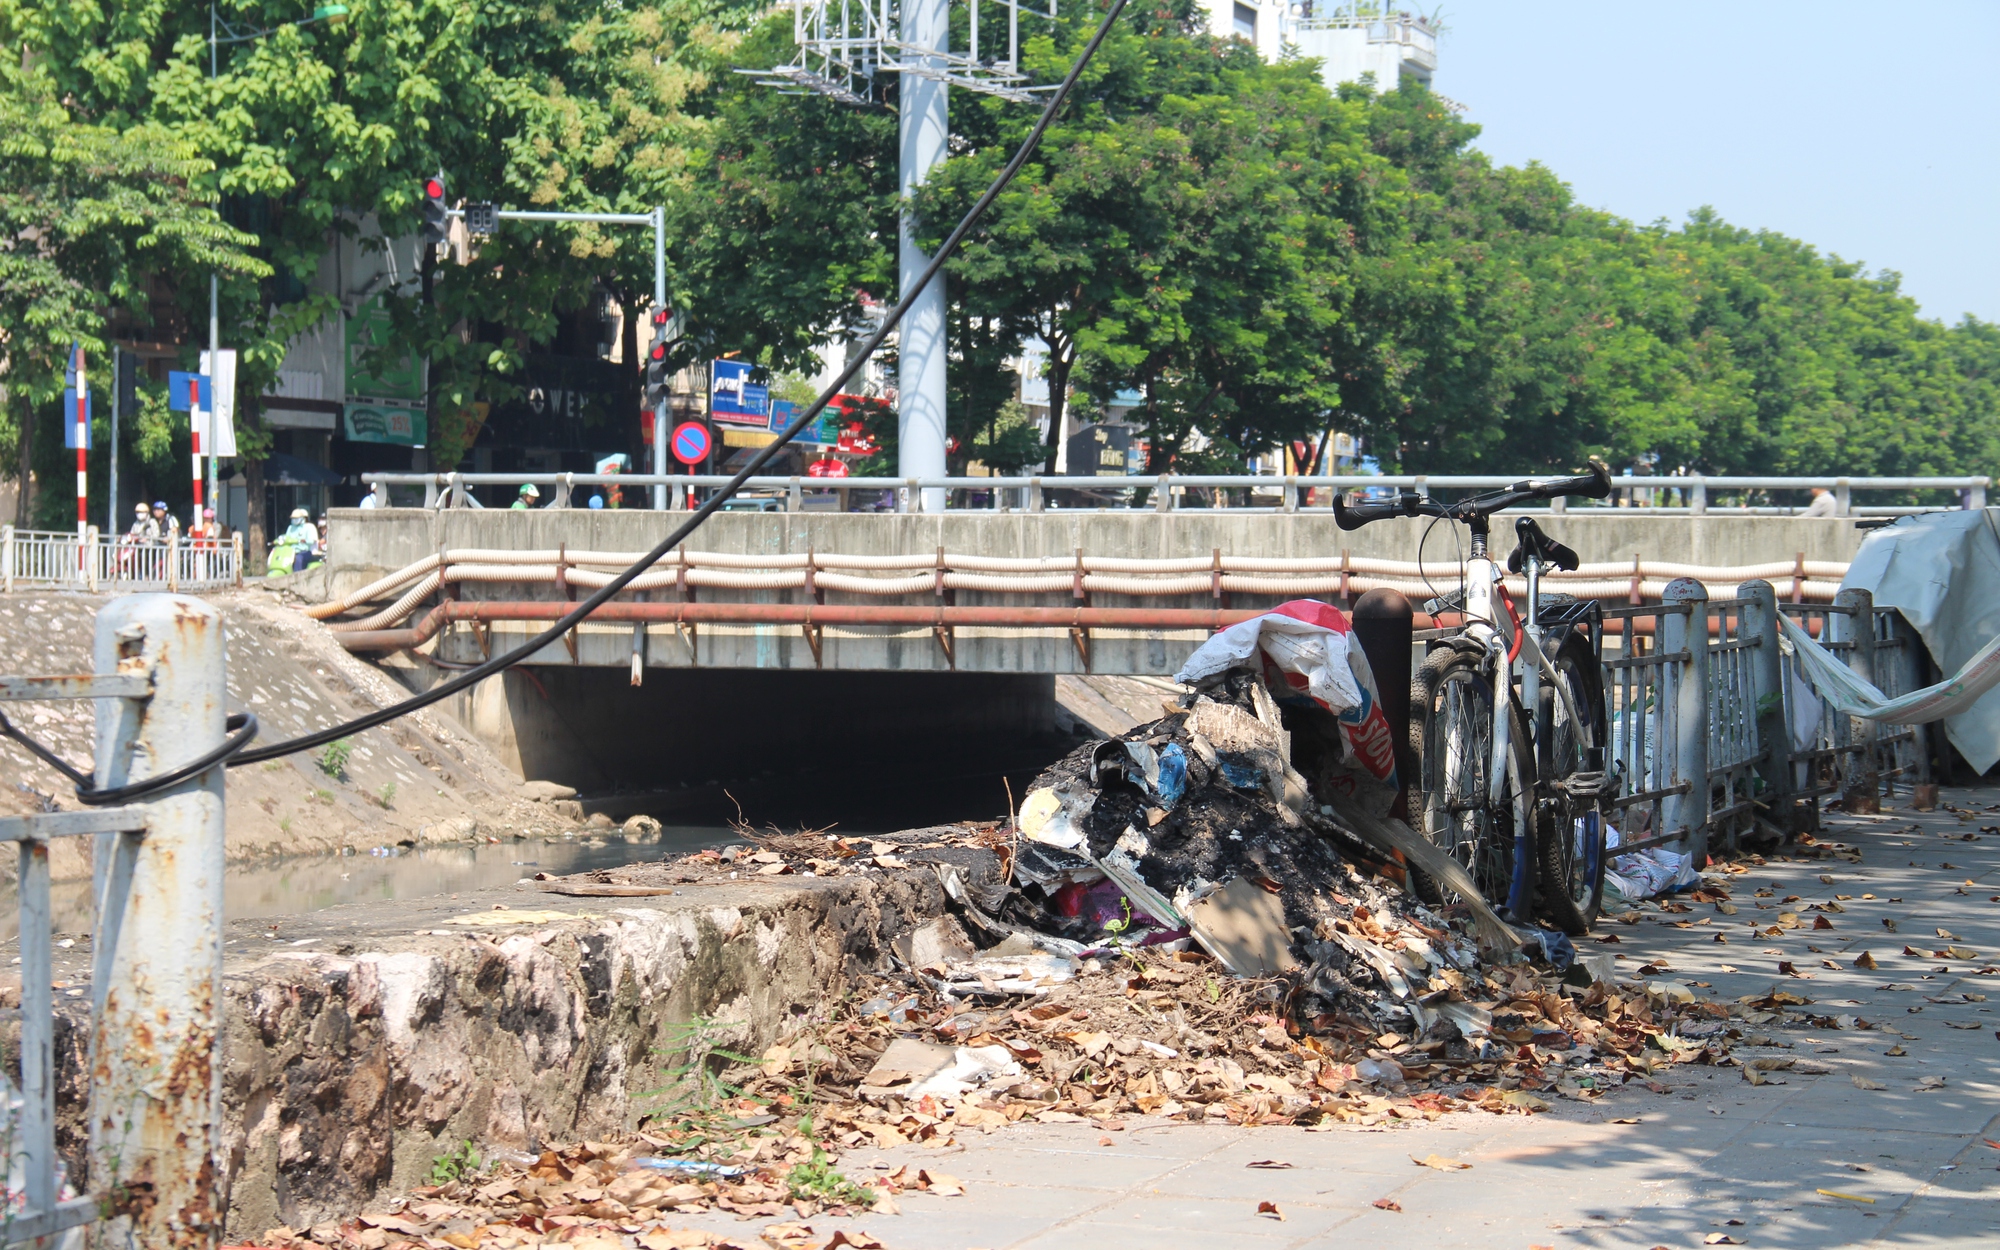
(656, 360)
(436, 216)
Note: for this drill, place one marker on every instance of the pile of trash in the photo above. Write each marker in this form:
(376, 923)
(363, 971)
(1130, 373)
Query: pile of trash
(1209, 917)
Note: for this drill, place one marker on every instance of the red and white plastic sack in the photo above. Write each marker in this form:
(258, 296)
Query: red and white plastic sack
(1305, 650)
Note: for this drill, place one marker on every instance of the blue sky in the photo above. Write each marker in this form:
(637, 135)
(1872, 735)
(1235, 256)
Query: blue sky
(1868, 131)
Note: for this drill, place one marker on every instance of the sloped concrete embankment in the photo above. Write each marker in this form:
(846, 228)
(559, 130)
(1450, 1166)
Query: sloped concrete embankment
(348, 1073)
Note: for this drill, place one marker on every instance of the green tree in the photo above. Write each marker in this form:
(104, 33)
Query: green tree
(1177, 232)
(89, 215)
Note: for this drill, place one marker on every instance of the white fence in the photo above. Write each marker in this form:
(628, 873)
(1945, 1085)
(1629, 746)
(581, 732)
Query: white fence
(1167, 492)
(55, 559)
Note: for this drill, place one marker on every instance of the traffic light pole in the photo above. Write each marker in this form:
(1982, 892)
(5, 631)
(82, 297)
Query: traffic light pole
(657, 219)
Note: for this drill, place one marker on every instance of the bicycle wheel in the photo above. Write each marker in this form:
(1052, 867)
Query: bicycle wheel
(1570, 844)
(1450, 799)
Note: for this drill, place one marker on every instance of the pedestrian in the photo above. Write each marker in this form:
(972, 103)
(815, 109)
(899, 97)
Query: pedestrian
(1823, 503)
(375, 497)
(597, 502)
(526, 499)
(168, 525)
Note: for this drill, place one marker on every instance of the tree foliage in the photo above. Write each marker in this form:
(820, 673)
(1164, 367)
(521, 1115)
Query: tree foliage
(90, 216)
(1263, 260)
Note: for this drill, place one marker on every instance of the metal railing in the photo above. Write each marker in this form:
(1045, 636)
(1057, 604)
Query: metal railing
(1715, 730)
(155, 1170)
(55, 559)
(1170, 492)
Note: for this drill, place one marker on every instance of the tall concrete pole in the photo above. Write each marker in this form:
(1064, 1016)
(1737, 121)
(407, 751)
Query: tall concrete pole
(920, 380)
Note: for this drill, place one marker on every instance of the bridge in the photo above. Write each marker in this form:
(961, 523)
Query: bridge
(923, 632)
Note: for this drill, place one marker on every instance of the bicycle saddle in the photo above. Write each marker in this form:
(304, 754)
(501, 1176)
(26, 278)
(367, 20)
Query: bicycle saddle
(1541, 547)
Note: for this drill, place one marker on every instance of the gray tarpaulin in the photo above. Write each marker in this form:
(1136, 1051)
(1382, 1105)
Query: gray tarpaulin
(1942, 571)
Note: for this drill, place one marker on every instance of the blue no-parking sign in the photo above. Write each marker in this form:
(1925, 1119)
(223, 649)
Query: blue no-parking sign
(690, 443)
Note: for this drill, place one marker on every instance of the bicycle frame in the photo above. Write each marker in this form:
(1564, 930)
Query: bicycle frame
(1483, 593)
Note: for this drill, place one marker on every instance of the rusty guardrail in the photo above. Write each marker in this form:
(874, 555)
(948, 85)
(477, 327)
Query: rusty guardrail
(155, 1166)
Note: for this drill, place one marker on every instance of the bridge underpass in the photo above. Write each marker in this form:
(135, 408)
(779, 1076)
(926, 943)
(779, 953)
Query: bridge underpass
(892, 669)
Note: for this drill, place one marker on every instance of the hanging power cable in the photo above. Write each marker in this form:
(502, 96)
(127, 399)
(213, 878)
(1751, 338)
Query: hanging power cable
(874, 341)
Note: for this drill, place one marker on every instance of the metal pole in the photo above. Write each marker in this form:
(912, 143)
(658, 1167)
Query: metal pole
(82, 418)
(660, 411)
(1688, 696)
(214, 324)
(112, 527)
(1774, 714)
(207, 472)
(1861, 786)
(156, 1088)
(920, 367)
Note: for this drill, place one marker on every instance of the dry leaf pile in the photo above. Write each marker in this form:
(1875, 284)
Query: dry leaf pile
(601, 1196)
(1171, 1035)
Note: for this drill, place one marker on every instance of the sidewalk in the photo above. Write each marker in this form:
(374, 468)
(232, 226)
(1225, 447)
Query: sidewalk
(1711, 1156)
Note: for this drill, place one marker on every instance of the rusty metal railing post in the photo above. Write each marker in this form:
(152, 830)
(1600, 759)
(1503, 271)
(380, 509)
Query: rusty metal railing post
(1687, 634)
(1774, 713)
(156, 1079)
(1861, 786)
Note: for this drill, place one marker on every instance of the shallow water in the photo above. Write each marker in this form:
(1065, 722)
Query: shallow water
(293, 885)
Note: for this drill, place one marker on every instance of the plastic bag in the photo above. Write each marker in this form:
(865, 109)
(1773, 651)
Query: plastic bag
(1306, 652)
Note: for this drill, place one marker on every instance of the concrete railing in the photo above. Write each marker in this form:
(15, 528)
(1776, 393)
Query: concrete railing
(1169, 492)
(57, 559)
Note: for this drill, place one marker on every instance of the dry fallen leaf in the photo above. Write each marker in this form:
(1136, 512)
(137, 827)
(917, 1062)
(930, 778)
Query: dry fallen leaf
(1273, 1164)
(1439, 1162)
(857, 1239)
(1864, 960)
(1271, 1209)
(676, 1239)
(1721, 1239)
(1626, 1119)
(791, 1236)
(1386, 1204)
(1862, 1082)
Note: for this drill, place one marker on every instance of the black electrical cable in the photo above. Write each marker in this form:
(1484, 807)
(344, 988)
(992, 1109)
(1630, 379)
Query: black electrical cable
(584, 608)
(242, 728)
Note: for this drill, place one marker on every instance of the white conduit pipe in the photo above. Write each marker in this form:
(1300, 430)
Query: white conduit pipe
(592, 579)
(373, 590)
(501, 573)
(400, 609)
(1055, 576)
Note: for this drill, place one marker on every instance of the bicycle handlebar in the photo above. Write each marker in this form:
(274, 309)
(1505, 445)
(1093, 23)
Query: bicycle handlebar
(1595, 484)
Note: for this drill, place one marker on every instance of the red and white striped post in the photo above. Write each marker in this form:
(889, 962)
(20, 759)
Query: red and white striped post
(196, 418)
(82, 469)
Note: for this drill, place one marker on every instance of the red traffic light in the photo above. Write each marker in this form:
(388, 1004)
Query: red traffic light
(662, 316)
(657, 352)
(434, 188)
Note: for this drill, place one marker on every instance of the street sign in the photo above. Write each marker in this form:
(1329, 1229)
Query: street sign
(185, 390)
(691, 443)
(734, 398)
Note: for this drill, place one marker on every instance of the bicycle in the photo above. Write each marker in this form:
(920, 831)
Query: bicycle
(1513, 702)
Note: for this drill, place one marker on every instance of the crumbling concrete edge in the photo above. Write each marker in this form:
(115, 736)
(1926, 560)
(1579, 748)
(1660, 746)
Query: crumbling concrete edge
(346, 1076)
